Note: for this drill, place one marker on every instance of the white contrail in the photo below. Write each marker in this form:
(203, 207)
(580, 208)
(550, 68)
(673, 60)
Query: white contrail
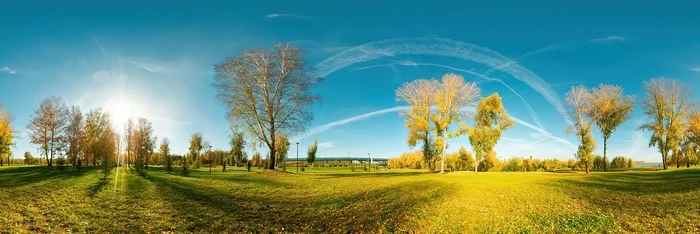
(440, 47)
(533, 114)
(319, 129)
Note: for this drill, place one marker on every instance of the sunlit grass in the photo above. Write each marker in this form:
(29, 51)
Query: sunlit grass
(40, 199)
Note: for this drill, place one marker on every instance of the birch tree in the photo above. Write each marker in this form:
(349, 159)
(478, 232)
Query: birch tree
(75, 136)
(269, 92)
(453, 95)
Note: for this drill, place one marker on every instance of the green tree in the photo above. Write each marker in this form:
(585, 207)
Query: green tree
(269, 92)
(47, 125)
(581, 108)
(666, 102)
(490, 121)
(611, 108)
(311, 154)
(257, 160)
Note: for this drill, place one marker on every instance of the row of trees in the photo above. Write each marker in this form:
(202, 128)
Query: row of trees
(675, 119)
(437, 105)
(71, 136)
(463, 160)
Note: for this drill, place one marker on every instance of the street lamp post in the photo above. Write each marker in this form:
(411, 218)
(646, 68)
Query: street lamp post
(209, 159)
(297, 157)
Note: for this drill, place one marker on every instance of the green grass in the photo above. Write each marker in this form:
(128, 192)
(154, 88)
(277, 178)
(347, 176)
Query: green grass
(41, 199)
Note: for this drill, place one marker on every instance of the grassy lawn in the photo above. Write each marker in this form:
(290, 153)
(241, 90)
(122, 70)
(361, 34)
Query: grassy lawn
(41, 199)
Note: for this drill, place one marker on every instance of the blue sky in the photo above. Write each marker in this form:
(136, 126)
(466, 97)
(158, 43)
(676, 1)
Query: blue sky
(156, 59)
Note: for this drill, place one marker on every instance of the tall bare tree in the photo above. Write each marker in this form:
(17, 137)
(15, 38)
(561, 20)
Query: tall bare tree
(75, 135)
(611, 108)
(453, 95)
(666, 103)
(420, 94)
(47, 125)
(6, 134)
(268, 92)
(128, 137)
(581, 109)
(490, 121)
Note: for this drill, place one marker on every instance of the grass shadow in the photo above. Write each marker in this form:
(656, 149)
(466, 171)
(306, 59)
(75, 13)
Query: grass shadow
(21, 176)
(255, 208)
(97, 186)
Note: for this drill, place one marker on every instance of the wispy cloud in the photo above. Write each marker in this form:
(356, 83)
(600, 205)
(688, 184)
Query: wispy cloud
(326, 145)
(287, 16)
(440, 47)
(7, 70)
(695, 69)
(609, 38)
(319, 129)
(155, 68)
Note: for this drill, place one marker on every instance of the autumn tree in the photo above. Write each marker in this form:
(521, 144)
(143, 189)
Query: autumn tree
(490, 121)
(268, 92)
(691, 143)
(420, 95)
(257, 160)
(195, 149)
(75, 136)
(666, 103)
(282, 150)
(452, 95)
(143, 143)
(165, 153)
(237, 147)
(107, 148)
(311, 153)
(610, 109)
(581, 108)
(47, 125)
(6, 133)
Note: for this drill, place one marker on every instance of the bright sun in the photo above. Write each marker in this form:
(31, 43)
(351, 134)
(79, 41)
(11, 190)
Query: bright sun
(120, 110)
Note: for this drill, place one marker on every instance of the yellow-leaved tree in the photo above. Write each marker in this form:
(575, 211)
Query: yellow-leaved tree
(490, 121)
(691, 143)
(453, 94)
(580, 108)
(610, 109)
(666, 103)
(420, 95)
(6, 134)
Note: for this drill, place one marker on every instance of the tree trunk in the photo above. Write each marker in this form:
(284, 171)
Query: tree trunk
(476, 167)
(587, 172)
(605, 152)
(678, 158)
(663, 159)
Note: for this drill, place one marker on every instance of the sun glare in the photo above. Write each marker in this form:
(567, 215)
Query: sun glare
(120, 110)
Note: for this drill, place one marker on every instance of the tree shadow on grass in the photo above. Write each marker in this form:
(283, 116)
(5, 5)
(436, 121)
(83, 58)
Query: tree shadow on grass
(97, 186)
(677, 181)
(255, 208)
(21, 176)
